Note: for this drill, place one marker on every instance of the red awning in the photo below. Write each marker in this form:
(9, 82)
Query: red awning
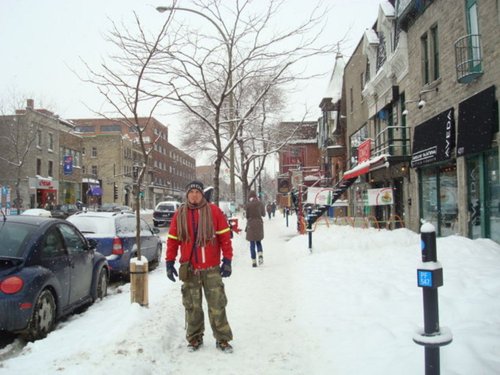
(363, 167)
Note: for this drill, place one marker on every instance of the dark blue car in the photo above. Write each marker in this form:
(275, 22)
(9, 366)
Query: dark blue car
(115, 235)
(47, 270)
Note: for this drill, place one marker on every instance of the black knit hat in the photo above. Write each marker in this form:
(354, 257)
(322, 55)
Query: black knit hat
(195, 185)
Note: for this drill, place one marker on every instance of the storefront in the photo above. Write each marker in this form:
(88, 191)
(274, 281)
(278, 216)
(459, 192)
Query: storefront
(477, 123)
(433, 145)
(93, 192)
(43, 192)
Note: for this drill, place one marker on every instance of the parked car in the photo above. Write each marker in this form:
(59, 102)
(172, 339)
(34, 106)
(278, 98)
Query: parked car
(115, 234)
(48, 269)
(112, 207)
(163, 212)
(62, 211)
(37, 212)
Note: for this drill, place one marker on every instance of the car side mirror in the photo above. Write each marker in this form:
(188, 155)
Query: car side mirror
(92, 243)
(155, 230)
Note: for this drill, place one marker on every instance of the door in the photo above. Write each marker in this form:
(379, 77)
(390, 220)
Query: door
(474, 200)
(81, 261)
(483, 183)
(53, 256)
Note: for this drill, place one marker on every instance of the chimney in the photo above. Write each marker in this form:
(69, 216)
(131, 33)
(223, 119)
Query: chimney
(30, 104)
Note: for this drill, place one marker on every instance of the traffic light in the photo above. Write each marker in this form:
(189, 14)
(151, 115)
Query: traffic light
(115, 192)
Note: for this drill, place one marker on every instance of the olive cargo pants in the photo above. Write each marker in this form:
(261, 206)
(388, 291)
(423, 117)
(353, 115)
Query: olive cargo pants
(210, 281)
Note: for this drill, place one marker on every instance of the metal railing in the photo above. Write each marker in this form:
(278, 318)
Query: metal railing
(468, 58)
(393, 141)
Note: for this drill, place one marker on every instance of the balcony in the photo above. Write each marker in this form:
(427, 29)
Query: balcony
(468, 58)
(393, 141)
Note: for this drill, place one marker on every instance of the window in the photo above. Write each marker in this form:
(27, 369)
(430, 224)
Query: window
(52, 244)
(111, 128)
(473, 31)
(85, 129)
(430, 55)
(51, 141)
(362, 84)
(50, 170)
(39, 138)
(94, 170)
(351, 100)
(84, 170)
(74, 241)
(425, 58)
(39, 167)
(94, 152)
(435, 52)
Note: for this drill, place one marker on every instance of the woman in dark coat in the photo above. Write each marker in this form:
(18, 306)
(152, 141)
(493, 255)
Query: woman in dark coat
(254, 213)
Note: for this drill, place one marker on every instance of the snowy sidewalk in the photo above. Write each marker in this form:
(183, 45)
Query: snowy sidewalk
(350, 307)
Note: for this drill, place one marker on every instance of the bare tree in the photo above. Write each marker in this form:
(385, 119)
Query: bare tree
(17, 139)
(203, 73)
(124, 81)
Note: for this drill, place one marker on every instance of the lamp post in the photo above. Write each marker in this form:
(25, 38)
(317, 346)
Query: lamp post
(163, 9)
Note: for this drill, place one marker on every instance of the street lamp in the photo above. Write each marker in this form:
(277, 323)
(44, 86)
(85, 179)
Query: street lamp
(163, 9)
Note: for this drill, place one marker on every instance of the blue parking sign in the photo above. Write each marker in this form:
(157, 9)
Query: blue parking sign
(425, 278)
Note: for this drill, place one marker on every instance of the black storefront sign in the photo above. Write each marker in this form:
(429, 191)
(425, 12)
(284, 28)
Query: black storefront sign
(477, 121)
(434, 139)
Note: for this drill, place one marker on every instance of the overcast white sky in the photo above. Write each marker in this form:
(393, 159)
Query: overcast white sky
(42, 41)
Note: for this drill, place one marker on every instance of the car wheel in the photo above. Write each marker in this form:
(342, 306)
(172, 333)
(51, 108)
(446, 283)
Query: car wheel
(102, 284)
(44, 317)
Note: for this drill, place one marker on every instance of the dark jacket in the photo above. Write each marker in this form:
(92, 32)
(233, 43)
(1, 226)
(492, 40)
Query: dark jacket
(255, 210)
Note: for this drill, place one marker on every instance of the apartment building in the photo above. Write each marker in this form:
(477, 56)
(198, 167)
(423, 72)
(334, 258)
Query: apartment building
(169, 169)
(421, 109)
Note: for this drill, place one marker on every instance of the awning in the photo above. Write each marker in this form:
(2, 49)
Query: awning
(434, 139)
(477, 118)
(364, 167)
(94, 190)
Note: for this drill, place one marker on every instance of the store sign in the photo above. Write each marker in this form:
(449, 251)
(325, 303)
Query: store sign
(68, 165)
(434, 139)
(364, 151)
(283, 185)
(42, 183)
(380, 197)
(477, 122)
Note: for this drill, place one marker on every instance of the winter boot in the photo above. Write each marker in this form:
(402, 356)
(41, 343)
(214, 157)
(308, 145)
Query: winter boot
(261, 258)
(195, 344)
(254, 263)
(224, 346)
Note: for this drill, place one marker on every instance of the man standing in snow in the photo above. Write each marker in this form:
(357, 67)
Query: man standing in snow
(201, 231)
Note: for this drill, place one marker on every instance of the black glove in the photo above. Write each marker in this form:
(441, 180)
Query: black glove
(225, 268)
(171, 270)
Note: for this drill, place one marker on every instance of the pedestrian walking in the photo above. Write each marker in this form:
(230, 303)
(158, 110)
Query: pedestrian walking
(269, 209)
(201, 231)
(273, 208)
(254, 213)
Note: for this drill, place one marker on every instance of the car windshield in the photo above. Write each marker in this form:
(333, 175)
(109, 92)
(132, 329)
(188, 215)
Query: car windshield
(94, 224)
(13, 237)
(166, 207)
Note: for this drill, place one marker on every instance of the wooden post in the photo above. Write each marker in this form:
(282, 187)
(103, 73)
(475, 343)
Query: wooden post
(139, 281)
